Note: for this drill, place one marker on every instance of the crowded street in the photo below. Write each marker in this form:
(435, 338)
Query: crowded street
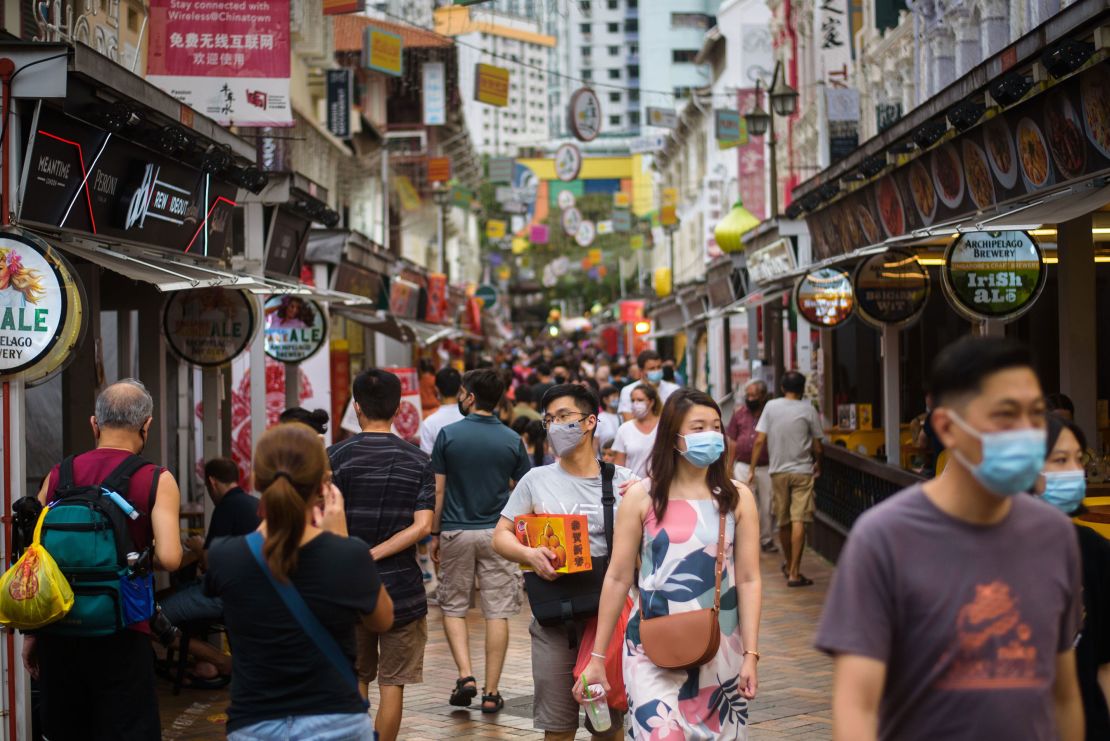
(794, 693)
(656, 370)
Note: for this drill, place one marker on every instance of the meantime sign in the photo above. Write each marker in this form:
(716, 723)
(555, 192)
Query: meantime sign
(993, 275)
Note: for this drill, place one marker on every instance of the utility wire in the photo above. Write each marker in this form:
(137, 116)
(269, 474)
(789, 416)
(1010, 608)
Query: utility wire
(539, 68)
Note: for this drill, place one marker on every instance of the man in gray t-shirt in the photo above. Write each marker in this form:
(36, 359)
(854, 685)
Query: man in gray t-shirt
(791, 430)
(570, 486)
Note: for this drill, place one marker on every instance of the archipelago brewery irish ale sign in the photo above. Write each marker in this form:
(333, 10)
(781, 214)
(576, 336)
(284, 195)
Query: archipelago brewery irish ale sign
(993, 275)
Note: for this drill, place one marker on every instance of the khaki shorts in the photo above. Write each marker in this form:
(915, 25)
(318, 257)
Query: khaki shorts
(554, 707)
(793, 494)
(396, 657)
(464, 554)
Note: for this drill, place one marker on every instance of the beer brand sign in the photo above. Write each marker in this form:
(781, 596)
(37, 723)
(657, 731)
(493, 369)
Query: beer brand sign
(993, 275)
(33, 303)
(296, 328)
(208, 326)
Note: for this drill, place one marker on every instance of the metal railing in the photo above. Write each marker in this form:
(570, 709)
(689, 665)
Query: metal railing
(848, 485)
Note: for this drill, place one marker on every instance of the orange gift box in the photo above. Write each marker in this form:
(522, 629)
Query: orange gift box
(566, 535)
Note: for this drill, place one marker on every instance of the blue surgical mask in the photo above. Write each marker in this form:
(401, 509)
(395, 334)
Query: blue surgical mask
(1012, 460)
(703, 449)
(654, 377)
(1065, 490)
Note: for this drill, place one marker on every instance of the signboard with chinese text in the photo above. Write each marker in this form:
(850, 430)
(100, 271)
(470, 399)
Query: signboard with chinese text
(584, 114)
(382, 51)
(439, 169)
(751, 156)
(338, 84)
(771, 262)
(993, 275)
(230, 63)
(295, 328)
(501, 169)
(568, 163)
(496, 228)
(404, 298)
(436, 310)
(728, 128)
(434, 90)
(491, 85)
(662, 117)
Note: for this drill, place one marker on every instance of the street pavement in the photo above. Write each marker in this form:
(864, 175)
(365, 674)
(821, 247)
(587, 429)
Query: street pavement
(795, 681)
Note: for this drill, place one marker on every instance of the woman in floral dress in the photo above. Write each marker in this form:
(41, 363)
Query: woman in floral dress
(672, 522)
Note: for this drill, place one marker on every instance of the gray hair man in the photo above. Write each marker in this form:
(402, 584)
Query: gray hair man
(82, 694)
(741, 431)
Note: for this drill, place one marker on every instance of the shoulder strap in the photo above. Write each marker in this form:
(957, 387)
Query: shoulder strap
(608, 500)
(154, 477)
(303, 615)
(119, 479)
(720, 563)
(65, 473)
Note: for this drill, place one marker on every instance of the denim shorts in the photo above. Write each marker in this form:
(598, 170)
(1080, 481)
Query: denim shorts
(333, 727)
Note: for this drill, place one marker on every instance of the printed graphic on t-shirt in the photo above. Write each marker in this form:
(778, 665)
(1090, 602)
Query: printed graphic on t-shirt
(994, 648)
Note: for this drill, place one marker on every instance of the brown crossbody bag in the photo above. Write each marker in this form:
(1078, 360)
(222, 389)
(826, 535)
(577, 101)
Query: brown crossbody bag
(686, 640)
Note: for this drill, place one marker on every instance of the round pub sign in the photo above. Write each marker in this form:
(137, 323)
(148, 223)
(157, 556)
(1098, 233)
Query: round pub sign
(41, 316)
(891, 289)
(208, 326)
(824, 297)
(296, 328)
(993, 275)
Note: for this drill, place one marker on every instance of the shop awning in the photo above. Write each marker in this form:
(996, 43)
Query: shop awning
(374, 319)
(162, 273)
(275, 286)
(426, 334)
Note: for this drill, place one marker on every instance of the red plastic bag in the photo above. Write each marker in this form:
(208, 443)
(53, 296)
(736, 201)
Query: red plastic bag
(614, 664)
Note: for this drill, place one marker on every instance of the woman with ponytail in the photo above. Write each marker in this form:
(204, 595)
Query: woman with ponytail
(283, 685)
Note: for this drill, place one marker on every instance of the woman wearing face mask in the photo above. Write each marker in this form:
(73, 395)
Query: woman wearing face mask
(608, 421)
(674, 523)
(635, 438)
(1063, 485)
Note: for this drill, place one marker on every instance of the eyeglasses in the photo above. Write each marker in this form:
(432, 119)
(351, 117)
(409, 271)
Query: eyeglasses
(561, 418)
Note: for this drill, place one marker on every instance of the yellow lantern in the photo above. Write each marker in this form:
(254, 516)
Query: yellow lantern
(737, 222)
(662, 282)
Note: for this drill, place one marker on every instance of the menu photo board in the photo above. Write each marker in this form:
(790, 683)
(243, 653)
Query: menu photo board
(285, 242)
(993, 275)
(295, 327)
(824, 297)
(208, 327)
(891, 289)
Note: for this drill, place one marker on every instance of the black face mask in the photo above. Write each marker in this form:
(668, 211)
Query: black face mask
(753, 405)
(560, 378)
(463, 410)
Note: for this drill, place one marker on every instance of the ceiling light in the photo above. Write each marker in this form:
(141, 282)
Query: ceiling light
(966, 114)
(1011, 88)
(1066, 56)
(928, 134)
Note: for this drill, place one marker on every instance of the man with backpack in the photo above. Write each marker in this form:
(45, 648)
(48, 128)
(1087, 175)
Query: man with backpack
(562, 604)
(113, 517)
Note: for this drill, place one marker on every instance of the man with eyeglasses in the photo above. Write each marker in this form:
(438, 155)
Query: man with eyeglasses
(572, 485)
(476, 461)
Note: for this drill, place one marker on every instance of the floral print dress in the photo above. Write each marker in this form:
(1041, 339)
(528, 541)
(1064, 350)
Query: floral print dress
(678, 575)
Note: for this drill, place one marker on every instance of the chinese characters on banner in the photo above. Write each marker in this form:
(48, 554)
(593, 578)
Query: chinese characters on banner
(835, 63)
(232, 65)
(338, 85)
(435, 94)
(436, 310)
(753, 186)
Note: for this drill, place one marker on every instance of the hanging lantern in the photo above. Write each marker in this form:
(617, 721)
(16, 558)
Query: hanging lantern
(737, 222)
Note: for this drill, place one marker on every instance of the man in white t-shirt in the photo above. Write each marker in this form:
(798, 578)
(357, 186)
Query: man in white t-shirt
(570, 486)
(448, 381)
(791, 430)
(651, 365)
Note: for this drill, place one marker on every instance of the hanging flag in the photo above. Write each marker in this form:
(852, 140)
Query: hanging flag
(406, 191)
(491, 85)
(727, 125)
(382, 51)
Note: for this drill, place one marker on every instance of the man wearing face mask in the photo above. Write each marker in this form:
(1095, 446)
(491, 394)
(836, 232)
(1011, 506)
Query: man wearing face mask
(573, 485)
(956, 604)
(741, 431)
(650, 364)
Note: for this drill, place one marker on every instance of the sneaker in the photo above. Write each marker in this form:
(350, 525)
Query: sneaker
(769, 548)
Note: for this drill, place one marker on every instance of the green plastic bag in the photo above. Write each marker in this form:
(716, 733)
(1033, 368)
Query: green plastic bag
(33, 592)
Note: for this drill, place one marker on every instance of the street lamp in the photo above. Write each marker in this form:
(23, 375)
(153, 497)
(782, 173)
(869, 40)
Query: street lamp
(442, 196)
(784, 102)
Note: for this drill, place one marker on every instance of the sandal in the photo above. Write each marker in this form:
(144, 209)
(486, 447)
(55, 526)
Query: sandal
(466, 689)
(801, 581)
(495, 698)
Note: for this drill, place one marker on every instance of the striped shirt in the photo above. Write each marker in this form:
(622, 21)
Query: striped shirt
(384, 480)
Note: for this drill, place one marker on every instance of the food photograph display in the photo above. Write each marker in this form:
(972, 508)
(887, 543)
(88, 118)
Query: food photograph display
(1045, 142)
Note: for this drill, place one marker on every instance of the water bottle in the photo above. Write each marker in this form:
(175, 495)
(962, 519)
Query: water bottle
(597, 710)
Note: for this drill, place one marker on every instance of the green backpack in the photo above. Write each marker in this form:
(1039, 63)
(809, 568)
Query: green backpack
(86, 533)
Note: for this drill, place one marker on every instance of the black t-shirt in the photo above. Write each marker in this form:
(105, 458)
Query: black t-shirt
(236, 514)
(1093, 649)
(278, 670)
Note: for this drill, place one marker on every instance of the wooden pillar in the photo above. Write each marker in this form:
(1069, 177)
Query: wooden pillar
(1078, 337)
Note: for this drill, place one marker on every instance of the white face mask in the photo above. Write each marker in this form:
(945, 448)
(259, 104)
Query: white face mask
(640, 409)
